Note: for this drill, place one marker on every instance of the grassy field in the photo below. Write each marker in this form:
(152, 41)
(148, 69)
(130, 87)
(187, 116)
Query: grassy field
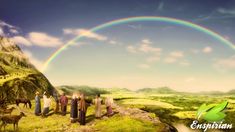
(178, 110)
(57, 122)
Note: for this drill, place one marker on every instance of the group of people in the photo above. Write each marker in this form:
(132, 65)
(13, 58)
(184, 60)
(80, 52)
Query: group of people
(78, 106)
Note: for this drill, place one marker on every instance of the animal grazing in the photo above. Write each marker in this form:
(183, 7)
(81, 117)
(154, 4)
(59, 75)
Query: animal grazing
(24, 101)
(7, 111)
(11, 119)
(3, 103)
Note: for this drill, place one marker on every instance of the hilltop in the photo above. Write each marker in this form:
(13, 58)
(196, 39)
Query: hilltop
(18, 77)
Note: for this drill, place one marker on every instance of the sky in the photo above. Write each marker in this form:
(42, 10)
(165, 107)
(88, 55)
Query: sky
(131, 55)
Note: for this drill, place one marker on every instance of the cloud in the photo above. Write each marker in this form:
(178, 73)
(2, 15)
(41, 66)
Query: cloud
(177, 54)
(218, 14)
(170, 60)
(184, 63)
(36, 62)
(226, 11)
(174, 57)
(4, 24)
(144, 66)
(21, 40)
(147, 48)
(146, 41)
(112, 42)
(160, 6)
(131, 49)
(207, 50)
(6, 29)
(135, 26)
(153, 59)
(43, 39)
(85, 33)
(1, 32)
(14, 31)
(224, 65)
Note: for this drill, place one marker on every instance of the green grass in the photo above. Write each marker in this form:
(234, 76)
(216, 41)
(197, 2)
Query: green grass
(124, 124)
(164, 107)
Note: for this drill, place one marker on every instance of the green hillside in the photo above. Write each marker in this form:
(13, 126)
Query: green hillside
(18, 77)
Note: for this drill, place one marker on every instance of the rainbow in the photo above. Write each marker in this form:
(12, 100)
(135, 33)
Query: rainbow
(142, 18)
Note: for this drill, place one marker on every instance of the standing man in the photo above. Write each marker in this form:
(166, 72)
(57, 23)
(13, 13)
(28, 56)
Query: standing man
(64, 103)
(82, 110)
(74, 108)
(46, 104)
(97, 103)
(37, 111)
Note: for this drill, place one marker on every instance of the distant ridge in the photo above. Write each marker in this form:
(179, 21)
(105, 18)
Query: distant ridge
(161, 90)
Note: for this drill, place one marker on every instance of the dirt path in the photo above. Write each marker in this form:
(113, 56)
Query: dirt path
(131, 112)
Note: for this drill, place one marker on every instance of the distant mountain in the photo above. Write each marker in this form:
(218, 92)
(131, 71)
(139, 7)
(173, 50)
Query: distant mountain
(231, 91)
(161, 90)
(18, 77)
(69, 90)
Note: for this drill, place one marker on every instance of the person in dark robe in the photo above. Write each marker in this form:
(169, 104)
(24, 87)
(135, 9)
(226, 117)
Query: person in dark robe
(37, 111)
(63, 103)
(82, 110)
(74, 108)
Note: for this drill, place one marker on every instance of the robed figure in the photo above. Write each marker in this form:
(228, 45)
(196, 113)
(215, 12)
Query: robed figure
(74, 108)
(97, 103)
(82, 110)
(37, 104)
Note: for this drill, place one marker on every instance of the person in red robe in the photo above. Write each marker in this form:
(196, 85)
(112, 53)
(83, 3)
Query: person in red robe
(64, 103)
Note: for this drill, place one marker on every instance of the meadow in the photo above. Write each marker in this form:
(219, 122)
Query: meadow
(175, 109)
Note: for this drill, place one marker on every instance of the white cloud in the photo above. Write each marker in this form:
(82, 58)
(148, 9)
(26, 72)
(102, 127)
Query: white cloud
(1, 32)
(144, 66)
(85, 33)
(177, 54)
(185, 63)
(207, 50)
(14, 31)
(225, 64)
(146, 47)
(37, 63)
(146, 41)
(8, 28)
(170, 60)
(153, 59)
(131, 49)
(112, 42)
(44, 40)
(135, 26)
(174, 57)
(160, 6)
(4, 24)
(21, 40)
(226, 11)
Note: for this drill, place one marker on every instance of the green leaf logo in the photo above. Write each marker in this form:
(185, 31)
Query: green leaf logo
(212, 113)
